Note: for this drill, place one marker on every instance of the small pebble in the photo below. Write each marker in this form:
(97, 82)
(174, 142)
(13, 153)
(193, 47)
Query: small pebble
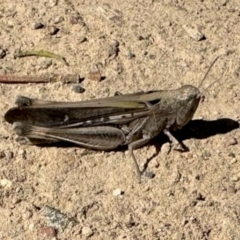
(95, 74)
(233, 160)
(5, 183)
(150, 175)
(8, 155)
(131, 55)
(223, 2)
(235, 178)
(10, 24)
(113, 49)
(140, 38)
(78, 89)
(31, 226)
(166, 24)
(206, 155)
(2, 154)
(53, 30)
(55, 218)
(52, 3)
(48, 231)
(232, 155)
(22, 153)
(77, 20)
(82, 39)
(165, 149)
(15, 200)
(58, 19)
(37, 25)
(129, 221)
(115, 43)
(87, 231)
(3, 53)
(155, 163)
(23, 101)
(117, 192)
(45, 64)
(193, 32)
(231, 141)
(152, 56)
(73, 20)
(18, 189)
(27, 215)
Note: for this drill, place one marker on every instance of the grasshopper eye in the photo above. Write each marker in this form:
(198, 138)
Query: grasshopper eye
(192, 97)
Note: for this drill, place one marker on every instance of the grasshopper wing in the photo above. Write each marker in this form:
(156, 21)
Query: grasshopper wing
(112, 110)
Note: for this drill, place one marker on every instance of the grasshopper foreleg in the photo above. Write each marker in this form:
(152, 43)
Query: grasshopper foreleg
(176, 144)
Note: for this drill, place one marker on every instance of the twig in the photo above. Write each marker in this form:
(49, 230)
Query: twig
(12, 79)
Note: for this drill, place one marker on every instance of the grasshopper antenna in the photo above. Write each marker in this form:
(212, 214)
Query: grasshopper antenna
(211, 84)
(201, 94)
(209, 69)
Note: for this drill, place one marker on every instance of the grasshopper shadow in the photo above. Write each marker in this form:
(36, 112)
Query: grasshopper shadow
(198, 129)
(201, 129)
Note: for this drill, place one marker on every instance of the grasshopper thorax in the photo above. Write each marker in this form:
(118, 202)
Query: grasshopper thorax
(188, 99)
(188, 92)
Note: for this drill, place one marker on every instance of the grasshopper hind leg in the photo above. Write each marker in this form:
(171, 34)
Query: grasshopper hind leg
(135, 145)
(23, 130)
(34, 141)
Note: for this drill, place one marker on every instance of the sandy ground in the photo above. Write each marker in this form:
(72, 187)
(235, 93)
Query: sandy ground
(70, 193)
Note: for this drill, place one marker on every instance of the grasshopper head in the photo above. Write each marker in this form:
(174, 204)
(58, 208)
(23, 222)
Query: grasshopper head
(189, 97)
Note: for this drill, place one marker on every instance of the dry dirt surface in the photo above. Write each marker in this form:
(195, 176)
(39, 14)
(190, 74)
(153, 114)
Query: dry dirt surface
(67, 192)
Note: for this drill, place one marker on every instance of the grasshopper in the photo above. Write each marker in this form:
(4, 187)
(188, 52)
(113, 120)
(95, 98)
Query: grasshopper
(107, 123)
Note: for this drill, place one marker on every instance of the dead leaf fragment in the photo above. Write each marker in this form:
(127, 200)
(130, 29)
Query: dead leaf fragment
(193, 32)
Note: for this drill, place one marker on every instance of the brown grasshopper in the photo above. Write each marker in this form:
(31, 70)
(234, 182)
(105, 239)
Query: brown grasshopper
(104, 124)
